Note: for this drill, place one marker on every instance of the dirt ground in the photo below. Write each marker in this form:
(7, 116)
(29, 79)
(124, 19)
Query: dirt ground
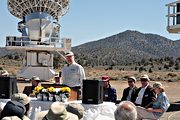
(172, 90)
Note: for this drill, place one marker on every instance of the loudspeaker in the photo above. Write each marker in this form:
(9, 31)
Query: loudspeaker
(92, 92)
(178, 16)
(8, 86)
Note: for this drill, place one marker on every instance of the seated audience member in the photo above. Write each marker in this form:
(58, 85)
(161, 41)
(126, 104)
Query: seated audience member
(126, 110)
(57, 111)
(14, 108)
(22, 98)
(145, 95)
(159, 106)
(109, 91)
(76, 109)
(129, 92)
(28, 90)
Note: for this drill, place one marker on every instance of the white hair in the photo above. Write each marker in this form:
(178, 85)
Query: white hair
(126, 110)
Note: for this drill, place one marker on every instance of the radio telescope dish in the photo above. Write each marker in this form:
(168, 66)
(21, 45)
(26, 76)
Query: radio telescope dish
(21, 8)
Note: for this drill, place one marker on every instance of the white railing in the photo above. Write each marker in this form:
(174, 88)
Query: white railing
(173, 25)
(24, 42)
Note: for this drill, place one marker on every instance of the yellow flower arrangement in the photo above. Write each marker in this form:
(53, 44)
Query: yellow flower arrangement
(51, 89)
(65, 89)
(38, 89)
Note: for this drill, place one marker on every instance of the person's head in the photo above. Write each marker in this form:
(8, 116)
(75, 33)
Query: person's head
(131, 81)
(158, 88)
(11, 118)
(22, 98)
(69, 57)
(144, 80)
(35, 81)
(76, 109)
(105, 80)
(13, 108)
(57, 111)
(126, 110)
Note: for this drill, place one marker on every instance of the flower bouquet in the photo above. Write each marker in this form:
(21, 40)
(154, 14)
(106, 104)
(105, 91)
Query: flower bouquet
(53, 94)
(38, 90)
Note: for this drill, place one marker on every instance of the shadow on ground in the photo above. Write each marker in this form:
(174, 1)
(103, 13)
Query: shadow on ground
(174, 107)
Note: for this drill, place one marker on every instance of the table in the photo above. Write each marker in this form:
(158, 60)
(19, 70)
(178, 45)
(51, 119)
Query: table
(92, 112)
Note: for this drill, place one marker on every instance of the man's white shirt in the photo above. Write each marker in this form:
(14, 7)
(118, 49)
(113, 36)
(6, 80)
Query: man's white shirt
(140, 95)
(73, 74)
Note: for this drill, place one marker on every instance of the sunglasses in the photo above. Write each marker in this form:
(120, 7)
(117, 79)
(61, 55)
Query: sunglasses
(144, 80)
(130, 81)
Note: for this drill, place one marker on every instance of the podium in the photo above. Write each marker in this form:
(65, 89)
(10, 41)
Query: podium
(73, 93)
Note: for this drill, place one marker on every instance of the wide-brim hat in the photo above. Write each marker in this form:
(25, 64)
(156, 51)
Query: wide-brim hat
(76, 109)
(57, 111)
(11, 118)
(20, 97)
(145, 77)
(69, 53)
(35, 78)
(15, 118)
(133, 78)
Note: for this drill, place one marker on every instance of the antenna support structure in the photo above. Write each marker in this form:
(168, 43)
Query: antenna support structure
(39, 30)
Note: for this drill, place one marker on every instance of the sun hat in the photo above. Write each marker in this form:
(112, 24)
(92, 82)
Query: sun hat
(69, 53)
(145, 76)
(13, 108)
(76, 109)
(35, 78)
(20, 97)
(133, 78)
(157, 85)
(105, 78)
(11, 118)
(57, 111)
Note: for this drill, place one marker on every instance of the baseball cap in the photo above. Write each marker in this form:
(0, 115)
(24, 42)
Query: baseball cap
(105, 78)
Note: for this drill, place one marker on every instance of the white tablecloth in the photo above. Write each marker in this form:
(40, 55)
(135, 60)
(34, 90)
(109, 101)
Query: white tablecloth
(92, 111)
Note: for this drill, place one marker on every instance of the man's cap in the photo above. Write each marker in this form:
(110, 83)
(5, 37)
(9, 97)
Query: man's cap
(13, 108)
(20, 97)
(157, 85)
(69, 53)
(105, 78)
(145, 77)
(133, 78)
(57, 111)
(76, 109)
(35, 78)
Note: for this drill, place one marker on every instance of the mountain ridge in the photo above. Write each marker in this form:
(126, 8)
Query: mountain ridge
(127, 47)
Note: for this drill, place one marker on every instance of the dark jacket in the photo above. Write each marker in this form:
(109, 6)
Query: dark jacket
(28, 90)
(148, 98)
(110, 94)
(126, 93)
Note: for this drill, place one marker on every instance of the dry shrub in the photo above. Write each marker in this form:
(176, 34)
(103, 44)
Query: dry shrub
(172, 74)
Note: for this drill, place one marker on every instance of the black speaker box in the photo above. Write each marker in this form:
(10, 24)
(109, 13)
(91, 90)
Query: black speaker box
(178, 16)
(92, 92)
(8, 86)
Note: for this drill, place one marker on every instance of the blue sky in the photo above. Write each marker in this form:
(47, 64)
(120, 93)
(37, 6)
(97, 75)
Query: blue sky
(89, 20)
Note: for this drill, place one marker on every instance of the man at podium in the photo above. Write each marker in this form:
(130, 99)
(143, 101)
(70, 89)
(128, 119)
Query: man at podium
(72, 73)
